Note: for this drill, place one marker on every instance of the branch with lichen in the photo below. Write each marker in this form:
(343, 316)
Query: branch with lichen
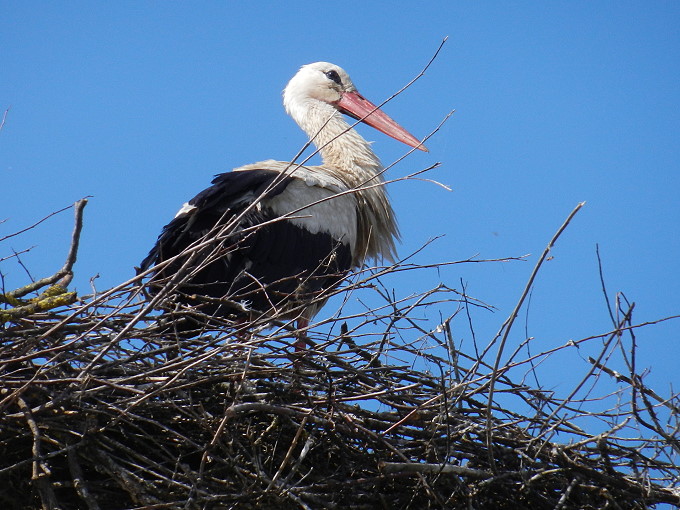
(54, 297)
(57, 293)
(104, 400)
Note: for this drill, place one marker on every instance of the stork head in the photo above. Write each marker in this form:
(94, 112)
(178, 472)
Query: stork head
(330, 84)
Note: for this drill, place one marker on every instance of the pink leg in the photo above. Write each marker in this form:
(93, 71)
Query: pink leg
(244, 334)
(300, 343)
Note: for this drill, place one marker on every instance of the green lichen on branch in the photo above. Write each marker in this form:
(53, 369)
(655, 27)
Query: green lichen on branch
(54, 297)
(56, 294)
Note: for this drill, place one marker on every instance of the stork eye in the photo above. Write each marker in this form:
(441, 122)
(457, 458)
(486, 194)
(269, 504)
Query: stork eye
(333, 76)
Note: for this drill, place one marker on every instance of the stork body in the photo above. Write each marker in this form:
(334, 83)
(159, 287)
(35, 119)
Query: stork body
(272, 237)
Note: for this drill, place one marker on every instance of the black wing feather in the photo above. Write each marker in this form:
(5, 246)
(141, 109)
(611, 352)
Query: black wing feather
(288, 261)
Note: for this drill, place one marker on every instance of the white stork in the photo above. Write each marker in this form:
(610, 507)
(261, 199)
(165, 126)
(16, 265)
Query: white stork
(294, 232)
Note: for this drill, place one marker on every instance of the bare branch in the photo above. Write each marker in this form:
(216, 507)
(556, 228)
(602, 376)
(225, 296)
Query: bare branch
(4, 118)
(66, 272)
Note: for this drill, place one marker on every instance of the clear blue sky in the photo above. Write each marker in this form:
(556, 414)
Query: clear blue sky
(139, 103)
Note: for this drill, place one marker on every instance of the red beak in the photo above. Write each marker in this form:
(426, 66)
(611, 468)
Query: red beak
(354, 105)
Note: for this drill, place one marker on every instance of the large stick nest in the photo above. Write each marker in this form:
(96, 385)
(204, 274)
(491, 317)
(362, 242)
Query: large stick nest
(104, 407)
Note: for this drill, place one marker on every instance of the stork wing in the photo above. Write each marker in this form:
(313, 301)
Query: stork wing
(261, 261)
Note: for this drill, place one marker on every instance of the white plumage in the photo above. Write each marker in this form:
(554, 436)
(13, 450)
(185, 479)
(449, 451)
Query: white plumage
(335, 216)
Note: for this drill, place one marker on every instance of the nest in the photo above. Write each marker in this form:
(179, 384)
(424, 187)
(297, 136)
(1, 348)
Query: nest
(105, 407)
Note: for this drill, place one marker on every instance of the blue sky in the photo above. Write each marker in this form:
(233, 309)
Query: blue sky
(139, 103)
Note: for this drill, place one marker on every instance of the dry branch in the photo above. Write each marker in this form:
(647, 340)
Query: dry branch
(54, 296)
(104, 407)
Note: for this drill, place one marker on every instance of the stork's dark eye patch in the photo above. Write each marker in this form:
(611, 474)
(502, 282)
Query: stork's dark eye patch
(334, 76)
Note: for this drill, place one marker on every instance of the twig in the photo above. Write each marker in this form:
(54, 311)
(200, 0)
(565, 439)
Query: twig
(66, 272)
(402, 467)
(507, 325)
(4, 118)
(604, 288)
(636, 383)
(40, 471)
(79, 481)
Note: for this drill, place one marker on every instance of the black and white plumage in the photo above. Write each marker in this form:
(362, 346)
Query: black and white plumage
(272, 237)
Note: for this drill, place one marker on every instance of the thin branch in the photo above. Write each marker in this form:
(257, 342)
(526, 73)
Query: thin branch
(65, 274)
(507, 325)
(2, 122)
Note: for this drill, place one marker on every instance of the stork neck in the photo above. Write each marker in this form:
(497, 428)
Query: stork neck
(349, 158)
(342, 148)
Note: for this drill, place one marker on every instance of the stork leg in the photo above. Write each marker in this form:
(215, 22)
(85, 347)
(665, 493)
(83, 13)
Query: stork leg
(241, 329)
(301, 334)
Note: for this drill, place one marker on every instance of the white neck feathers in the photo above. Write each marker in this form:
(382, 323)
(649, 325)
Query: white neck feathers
(349, 158)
